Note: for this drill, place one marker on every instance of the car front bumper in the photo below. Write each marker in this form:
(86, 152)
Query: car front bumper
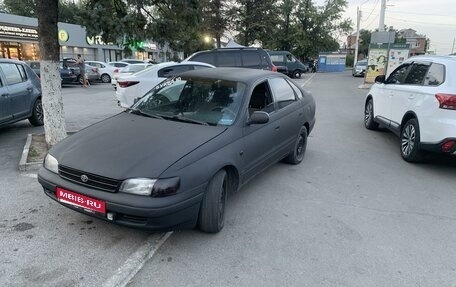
(178, 211)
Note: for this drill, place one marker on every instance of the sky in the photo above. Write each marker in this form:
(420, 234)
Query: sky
(434, 18)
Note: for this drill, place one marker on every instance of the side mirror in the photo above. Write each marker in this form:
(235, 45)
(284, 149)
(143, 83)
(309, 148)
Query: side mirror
(258, 117)
(380, 79)
(136, 100)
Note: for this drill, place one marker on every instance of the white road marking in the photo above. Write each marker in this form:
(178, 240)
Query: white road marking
(136, 261)
(32, 175)
(308, 80)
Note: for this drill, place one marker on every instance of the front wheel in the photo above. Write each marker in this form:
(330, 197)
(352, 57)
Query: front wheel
(212, 212)
(369, 122)
(299, 149)
(410, 141)
(37, 117)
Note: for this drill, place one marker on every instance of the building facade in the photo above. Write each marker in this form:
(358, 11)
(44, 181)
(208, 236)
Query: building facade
(19, 40)
(417, 42)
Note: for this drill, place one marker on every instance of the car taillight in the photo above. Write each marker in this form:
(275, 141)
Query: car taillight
(95, 70)
(116, 70)
(274, 68)
(125, 84)
(448, 145)
(446, 101)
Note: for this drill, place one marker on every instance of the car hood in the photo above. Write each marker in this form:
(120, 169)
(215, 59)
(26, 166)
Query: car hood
(128, 145)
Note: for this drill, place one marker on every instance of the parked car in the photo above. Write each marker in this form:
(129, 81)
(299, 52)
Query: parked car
(418, 103)
(66, 74)
(246, 57)
(135, 61)
(127, 70)
(170, 161)
(106, 71)
(20, 93)
(92, 72)
(118, 64)
(136, 85)
(286, 59)
(360, 68)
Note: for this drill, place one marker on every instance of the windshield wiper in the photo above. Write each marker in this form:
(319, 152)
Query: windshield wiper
(141, 113)
(184, 119)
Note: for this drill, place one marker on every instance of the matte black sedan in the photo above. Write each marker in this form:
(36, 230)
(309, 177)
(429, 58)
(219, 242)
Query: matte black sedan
(170, 160)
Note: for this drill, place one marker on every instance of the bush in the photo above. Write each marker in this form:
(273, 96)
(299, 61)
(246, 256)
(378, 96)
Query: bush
(349, 60)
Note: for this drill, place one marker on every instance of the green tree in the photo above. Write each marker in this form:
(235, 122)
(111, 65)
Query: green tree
(215, 18)
(364, 41)
(253, 20)
(25, 8)
(320, 26)
(178, 23)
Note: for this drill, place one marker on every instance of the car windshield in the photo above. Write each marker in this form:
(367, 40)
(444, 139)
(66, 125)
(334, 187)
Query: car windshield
(361, 64)
(199, 101)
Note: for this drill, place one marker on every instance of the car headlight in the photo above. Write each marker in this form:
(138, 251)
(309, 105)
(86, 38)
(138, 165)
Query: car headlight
(151, 187)
(51, 163)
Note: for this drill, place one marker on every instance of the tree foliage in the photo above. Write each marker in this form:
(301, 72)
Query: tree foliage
(299, 26)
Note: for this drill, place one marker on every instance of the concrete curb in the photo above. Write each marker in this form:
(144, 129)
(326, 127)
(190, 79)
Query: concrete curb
(23, 164)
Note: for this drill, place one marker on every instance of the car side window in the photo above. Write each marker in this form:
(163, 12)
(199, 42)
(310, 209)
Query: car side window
(250, 58)
(398, 75)
(435, 75)
(12, 73)
(416, 74)
(205, 58)
(261, 99)
(283, 92)
(22, 72)
(173, 70)
(228, 59)
(290, 59)
(295, 89)
(277, 58)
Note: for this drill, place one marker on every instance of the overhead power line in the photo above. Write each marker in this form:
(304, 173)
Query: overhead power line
(419, 22)
(370, 14)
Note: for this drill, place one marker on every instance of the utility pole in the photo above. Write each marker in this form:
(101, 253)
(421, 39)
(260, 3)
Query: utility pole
(358, 20)
(381, 24)
(452, 49)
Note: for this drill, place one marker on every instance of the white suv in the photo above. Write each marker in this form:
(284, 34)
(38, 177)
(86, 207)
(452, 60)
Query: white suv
(418, 103)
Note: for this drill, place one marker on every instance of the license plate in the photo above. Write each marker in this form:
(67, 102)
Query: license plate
(79, 200)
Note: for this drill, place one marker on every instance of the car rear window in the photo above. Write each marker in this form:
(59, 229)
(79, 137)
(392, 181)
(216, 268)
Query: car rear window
(435, 75)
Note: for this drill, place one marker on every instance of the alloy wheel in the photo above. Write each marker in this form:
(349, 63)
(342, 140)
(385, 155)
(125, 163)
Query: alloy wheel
(39, 112)
(368, 113)
(408, 139)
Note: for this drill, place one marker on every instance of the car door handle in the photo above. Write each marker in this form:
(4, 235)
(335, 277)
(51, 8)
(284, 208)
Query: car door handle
(29, 90)
(411, 97)
(5, 95)
(277, 128)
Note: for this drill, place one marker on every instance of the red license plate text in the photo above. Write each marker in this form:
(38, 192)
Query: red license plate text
(80, 200)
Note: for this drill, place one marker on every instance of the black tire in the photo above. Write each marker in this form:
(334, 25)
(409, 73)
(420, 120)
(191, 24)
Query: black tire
(37, 117)
(296, 74)
(369, 122)
(410, 141)
(212, 211)
(299, 149)
(105, 78)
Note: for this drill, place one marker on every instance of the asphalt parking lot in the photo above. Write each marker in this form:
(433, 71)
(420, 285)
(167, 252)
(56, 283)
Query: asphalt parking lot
(352, 214)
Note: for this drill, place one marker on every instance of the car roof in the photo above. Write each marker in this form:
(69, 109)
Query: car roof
(6, 60)
(248, 76)
(431, 58)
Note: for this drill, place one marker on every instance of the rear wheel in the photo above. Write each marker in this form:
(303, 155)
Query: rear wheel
(299, 148)
(212, 212)
(37, 118)
(410, 141)
(105, 78)
(297, 74)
